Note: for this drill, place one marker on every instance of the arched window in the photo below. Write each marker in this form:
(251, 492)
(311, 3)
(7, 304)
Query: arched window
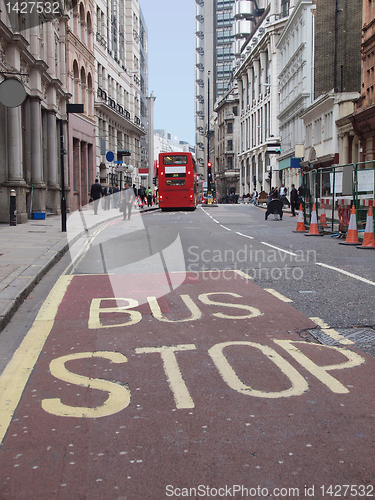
(76, 83)
(88, 31)
(74, 18)
(83, 93)
(90, 110)
(82, 23)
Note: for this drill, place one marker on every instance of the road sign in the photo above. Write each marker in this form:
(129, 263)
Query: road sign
(110, 156)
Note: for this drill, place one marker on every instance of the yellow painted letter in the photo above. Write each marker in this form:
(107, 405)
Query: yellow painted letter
(252, 310)
(96, 311)
(320, 372)
(299, 384)
(156, 312)
(176, 382)
(119, 395)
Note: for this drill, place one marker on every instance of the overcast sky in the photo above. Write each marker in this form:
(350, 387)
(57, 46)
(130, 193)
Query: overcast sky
(171, 44)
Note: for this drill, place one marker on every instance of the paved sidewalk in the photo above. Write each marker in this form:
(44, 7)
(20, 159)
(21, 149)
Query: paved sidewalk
(28, 251)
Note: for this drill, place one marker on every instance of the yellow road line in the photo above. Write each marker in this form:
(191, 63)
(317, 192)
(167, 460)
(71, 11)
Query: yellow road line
(17, 372)
(86, 247)
(331, 332)
(278, 295)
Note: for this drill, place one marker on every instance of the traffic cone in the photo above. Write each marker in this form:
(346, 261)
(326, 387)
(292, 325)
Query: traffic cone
(323, 218)
(314, 230)
(352, 236)
(369, 239)
(300, 222)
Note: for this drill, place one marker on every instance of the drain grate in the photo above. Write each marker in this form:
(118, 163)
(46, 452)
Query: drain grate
(360, 336)
(323, 338)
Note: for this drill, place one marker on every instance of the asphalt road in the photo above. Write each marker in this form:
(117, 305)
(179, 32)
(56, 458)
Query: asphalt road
(193, 354)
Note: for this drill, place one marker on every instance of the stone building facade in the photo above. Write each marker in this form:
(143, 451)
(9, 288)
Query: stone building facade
(30, 133)
(227, 171)
(80, 82)
(363, 118)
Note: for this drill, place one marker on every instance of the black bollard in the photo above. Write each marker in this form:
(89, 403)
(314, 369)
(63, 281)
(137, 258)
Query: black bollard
(13, 208)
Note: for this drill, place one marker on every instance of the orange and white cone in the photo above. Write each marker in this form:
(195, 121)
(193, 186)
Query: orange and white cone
(314, 230)
(352, 236)
(369, 239)
(300, 222)
(323, 218)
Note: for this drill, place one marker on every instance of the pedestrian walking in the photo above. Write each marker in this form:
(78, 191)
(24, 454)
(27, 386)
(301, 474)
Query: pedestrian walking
(149, 196)
(141, 194)
(116, 196)
(127, 201)
(283, 193)
(293, 200)
(107, 197)
(96, 193)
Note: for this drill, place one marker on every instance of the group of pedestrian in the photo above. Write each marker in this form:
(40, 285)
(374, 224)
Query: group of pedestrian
(296, 197)
(122, 199)
(98, 192)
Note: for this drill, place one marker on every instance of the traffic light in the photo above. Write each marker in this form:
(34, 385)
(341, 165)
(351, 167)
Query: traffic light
(209, 172)
(270, 174)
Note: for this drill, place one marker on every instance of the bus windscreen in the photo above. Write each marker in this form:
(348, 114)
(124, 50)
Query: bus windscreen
(175, 160)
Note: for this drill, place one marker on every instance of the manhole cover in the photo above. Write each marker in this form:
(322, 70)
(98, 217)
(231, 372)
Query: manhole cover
(360, 336)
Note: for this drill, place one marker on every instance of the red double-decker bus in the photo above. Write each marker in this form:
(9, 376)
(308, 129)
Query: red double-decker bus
(177, 181)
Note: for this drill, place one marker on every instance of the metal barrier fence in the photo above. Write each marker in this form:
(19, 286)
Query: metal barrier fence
(334, 190)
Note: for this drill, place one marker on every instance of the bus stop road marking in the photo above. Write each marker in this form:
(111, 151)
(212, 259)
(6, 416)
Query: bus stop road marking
(210, 384)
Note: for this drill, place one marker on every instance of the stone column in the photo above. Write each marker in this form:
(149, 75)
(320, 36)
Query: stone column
(76, 180)
(250, 83)
(66, 165)
(263, 66)
(84, 188)
(14, 145)
(244, 90)
(37, 181)
(15, 178)
(53, 154)
(345, 150)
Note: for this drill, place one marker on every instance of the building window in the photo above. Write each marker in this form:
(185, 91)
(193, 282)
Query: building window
(328, 119)
(285, 8)
(309, 135)
(230, 128)
(318, 131)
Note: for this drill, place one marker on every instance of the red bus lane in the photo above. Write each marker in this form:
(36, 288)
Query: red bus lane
(208, 391)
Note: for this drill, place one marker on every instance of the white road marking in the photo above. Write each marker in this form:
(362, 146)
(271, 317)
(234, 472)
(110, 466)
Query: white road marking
(245, 235)
(342, 271)
(279, 249)
(337, 269)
